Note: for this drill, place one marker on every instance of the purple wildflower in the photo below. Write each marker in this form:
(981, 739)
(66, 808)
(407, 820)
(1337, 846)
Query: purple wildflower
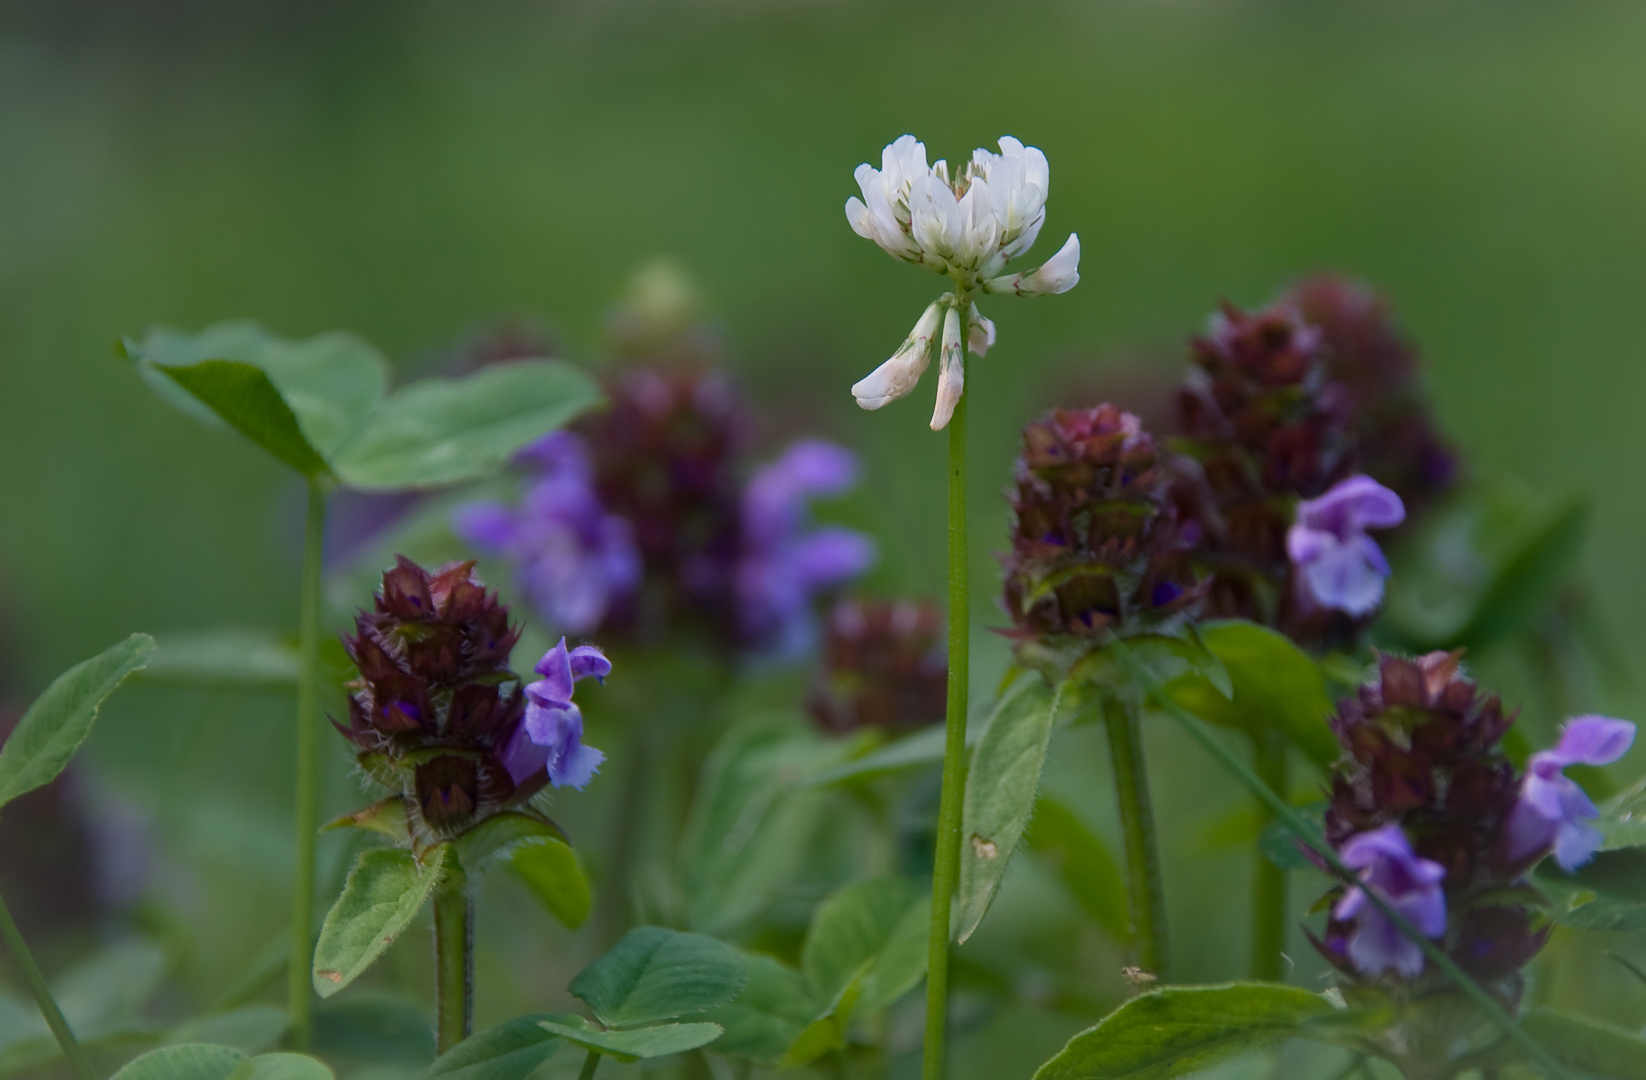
(1338, 566)
(574, 560)
(552, 736)
(1553, 812)
(783, 563)
(1409, 883)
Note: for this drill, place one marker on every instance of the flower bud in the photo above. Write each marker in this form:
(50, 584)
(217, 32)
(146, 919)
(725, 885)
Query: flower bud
(951, 374)
(882, 666)
(1058, 274)
(898, 376)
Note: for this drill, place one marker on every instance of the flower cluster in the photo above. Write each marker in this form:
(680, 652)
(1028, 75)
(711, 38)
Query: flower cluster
(1097, 540)
(968, 227)
(882, 666)
(437, 715)
(1433, 815)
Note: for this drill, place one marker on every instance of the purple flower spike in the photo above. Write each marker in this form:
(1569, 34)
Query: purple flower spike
(575, 560)
(554, 725)
(1553, 812)
(1409, 883)
(1338, 566)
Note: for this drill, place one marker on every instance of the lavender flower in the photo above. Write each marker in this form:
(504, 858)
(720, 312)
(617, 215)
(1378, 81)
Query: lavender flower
(574, 560)
(552, 736)
(1410, 884)
(1553, 812)
(783, 563)
(1336, 564)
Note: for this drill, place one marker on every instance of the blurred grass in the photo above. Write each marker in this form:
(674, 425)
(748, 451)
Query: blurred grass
(407, 169)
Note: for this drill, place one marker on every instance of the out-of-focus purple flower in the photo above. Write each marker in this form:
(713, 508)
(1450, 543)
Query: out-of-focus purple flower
(784, 563)
(1408, 882)
(1337, 564)
(1553, 812)
(552, 736)
(574, 560)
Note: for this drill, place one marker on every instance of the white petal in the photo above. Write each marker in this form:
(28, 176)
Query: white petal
(979, 332)
(897, 376)
(1058, 274)
(951, 372)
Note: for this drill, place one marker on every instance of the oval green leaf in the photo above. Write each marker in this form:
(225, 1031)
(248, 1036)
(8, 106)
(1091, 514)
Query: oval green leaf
(659, 1040)
(554, 874)
(192, 1061)
(656, 974)
(383, 894)
(879, 922)
(252, 1029)
(1179, 1030)
(226, 659)
(511, 1051)
(282, 1067)
(441, 431)
(1000, 791)
(245, 398)
(764, 1020)
(60, 719)
(499, 833)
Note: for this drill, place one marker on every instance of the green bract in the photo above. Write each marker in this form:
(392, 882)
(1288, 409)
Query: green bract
(385, 891)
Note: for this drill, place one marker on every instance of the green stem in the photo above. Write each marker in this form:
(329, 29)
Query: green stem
(1269, 906)
(590, 1063)
(1145, 887)
(946, 863)
(453, 965)
(42, 996)
(1306, 832)
(299, 984)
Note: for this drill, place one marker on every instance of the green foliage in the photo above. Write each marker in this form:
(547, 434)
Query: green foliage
(554, 874)
(1607, 893)
(1000, 793)
(53, 728)
(656, 974)
(511, 1051)
(1180, 1030)
(252, 1029)
(385, 817)
(383, 894)
(1591, 1048)
(881, 922)
(103, 998)
(1623, 817)
(1084, 862)
(374, 1028)
(1279, 845)
(1272, 684)
(281, 1067)
(659, 1040)
(226, 659)
(1482, 567)
(764, 1020)
(922, 749)
(319, 405)
(498, 833)
(202, 1061)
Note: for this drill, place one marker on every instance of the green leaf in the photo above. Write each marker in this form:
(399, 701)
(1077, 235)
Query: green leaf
(554, 874)
(764, 1020)
(441, 431)
(1179, 1030)
(244, 396)
(829, 1030)
(61, 718)
(251, 1029)
(660, 1040)
(1607, 893)
(1274, 685)
(500, 832)
(1000, 791)
(510, 1051)
(1280, 846)
(229, 659)
(656, 974)
(881, 922)
(1591, 1047)
(383, 894)
(192, 1061)
(923, 748)
(1084, 862)
(374, 1028)
(1623, 817)
(282, 1067)
(106, 993)
(386, 817)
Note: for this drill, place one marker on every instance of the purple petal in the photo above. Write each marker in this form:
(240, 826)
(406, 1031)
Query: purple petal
(556, 669)
(832, 555)
(1304, 544)
(1353, 505)
(1530, 830)
(817, 467)
(1343, 580)
(522, 757)
(588, 660)
(1593, 740)
(556, 451)
(551, 725)
(489, 526)
(575, 767)
(1576, 844)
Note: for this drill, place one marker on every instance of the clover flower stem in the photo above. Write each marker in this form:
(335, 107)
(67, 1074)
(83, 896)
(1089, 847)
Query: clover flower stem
(590, 1063)
(42, 996)
(1144, 884)
(299, 985)
(1269, 912)
(946, 868)
(453, 964)
(1311, 837)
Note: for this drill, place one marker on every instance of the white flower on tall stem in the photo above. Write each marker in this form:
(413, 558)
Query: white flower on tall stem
(969, 228)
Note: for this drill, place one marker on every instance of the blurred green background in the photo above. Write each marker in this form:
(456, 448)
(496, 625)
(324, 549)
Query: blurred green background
(408, 169)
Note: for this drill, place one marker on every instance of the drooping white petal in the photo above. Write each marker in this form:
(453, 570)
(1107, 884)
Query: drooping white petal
(951, 372)
(897, 376)
(979, 332)
(1058, 274)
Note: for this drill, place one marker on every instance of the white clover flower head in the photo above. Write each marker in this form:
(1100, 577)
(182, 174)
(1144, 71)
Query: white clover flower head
(968, 227)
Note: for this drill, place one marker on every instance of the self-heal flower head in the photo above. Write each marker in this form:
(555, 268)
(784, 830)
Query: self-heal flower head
(574, 560)
(1553, 812)
(552, 736)
(1410, 884)
(968, 227)
(1337, 564)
